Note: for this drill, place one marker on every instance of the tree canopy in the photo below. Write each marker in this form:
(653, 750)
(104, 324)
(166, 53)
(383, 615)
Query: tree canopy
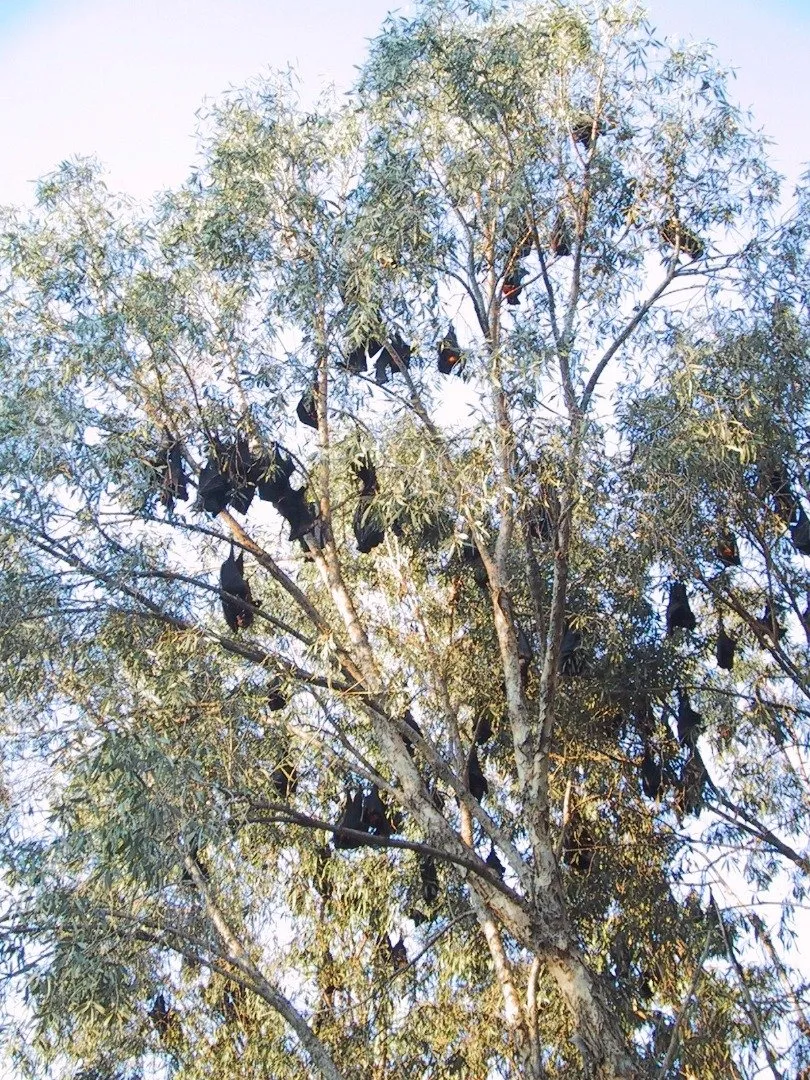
(405, 606)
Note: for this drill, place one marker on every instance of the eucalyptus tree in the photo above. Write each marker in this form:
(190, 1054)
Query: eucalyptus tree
(418, 808)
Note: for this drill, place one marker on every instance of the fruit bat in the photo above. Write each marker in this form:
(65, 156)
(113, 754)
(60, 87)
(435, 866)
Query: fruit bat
(351, 818)
(399, 954)
(519, 234)
(409, 721)
(299, 514)
(372, 349)
(214, 485)
(494, 863)
(726, 549)
(620, 956)
(239, 468)
(652, 774)
(367, 527)
(430, 533)
(476, 781)
(367, 475)
(526, 247)
(430, 879)
(237, 593)
(306, 411)
(689, 721)
(317, 536)
(572, 658)
(782, 498)
(725, 650)
(579, 846)
(540, 520)
(396, 356)
(679, 613)
(357, 361)
(170, 466)
(374, 817)
(768, 624)
(382, 366)
(584, 129)
(560, 239)
(512, 287)
(161, 1015)
(677, 236)
(449, 353)
(275, 699)
(271, 473)
(401, 350)
(194, 853)
(800, 532)
(284, 779)
(691, 785)
(483, 726)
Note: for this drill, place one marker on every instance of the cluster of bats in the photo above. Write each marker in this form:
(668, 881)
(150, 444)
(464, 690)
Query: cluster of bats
(394, 355)
(364, 813)
(166, 1019)
(690, 783)
(388, 358)
(671, 232)
(679, 616)
(231, 477)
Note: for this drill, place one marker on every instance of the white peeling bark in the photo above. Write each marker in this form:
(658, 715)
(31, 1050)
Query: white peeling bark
(598, 1036)
(512, 1011)
(537, 1070)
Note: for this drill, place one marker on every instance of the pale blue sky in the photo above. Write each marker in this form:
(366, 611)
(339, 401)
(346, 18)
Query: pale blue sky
(122, 79)
(12, 11)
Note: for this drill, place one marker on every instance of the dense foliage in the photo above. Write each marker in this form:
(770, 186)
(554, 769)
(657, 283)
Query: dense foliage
(470, 381)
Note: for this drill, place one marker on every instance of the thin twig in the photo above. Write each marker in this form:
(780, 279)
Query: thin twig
(687, 1001)
(753, 1015)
